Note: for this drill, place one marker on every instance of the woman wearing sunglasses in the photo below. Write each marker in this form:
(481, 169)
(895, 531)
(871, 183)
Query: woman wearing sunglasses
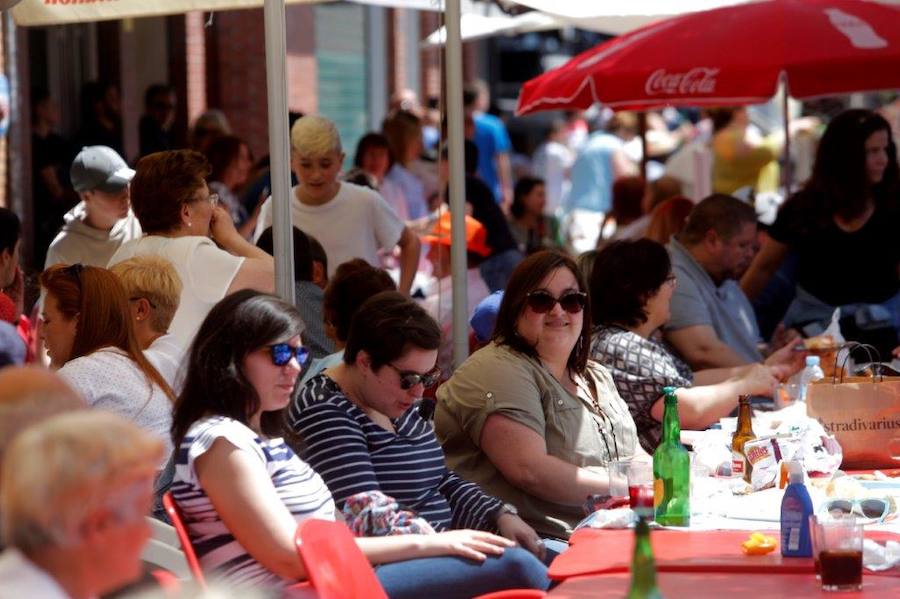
(87, 330)
(362, 431)
(242, 490)
(529, 417)
(631, 286)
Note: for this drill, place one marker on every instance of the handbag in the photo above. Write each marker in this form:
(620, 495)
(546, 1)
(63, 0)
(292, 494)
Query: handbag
(863, 414)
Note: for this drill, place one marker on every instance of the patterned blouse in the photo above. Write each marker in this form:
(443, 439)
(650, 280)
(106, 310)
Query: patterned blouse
(640, 368)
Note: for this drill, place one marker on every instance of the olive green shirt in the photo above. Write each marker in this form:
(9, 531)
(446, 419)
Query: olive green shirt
(498, 379)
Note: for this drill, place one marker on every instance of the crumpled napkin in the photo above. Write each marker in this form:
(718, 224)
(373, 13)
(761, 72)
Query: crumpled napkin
(622, 517)
(878, 557)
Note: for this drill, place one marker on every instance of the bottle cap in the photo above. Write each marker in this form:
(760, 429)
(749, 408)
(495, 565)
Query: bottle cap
(812, 361)
(669, 390)
(795, 470)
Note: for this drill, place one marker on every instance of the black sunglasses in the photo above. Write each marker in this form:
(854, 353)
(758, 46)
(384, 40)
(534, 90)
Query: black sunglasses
(409, 379)
(283, 352)
(541, 301)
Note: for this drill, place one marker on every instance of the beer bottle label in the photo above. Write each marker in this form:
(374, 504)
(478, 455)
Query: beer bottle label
(738, 464)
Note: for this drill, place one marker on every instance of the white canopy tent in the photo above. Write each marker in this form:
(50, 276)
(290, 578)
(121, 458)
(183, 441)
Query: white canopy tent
(59, 12)
(476, 26)
(620, 16)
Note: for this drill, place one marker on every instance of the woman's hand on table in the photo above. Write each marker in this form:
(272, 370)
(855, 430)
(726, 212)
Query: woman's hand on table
(515, 529)
(471, 544)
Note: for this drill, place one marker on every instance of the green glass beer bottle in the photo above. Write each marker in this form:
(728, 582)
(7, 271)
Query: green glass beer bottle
(643, 569)
(671, 470)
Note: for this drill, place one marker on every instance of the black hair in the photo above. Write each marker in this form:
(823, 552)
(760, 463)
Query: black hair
(317, 252)
(10, 230)
(367, 142)
(625, 275)
(386, 326)
(839, 171)
(302, 252)
(353, 283)
(523, 188)
(526, 278)
(156, 90)
(470, 156)
(216, 384)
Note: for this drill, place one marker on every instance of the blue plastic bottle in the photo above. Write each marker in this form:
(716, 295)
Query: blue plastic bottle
(796, 508)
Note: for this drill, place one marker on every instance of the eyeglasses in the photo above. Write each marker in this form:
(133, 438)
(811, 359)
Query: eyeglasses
(409, 379)
(874, 508)
(541, 301)
(283, 352)
(136, 298)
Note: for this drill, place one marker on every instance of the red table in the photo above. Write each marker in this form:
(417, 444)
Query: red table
(674, 585)
(610, 551)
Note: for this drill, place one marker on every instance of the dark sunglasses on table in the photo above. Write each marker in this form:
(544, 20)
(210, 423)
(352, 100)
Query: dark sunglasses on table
(409, 379)
(541, 301)
(283, 352)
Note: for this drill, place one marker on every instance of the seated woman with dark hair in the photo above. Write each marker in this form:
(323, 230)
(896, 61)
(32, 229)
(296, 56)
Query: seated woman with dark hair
(363, 432)
(529, 417)
(631, 285)
(243, 491)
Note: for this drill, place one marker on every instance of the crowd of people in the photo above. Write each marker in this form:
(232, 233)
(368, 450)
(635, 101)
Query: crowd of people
(183, 372)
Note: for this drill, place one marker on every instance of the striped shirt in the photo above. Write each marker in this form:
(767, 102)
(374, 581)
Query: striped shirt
(297, 485)
(354, 455)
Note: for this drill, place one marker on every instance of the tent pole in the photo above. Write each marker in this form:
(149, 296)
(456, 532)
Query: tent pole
(455, 136)
(642, 127)
(279, 151)
(787, 137)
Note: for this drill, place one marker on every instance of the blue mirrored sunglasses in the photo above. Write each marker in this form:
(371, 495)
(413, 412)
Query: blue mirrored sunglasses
(283, 352)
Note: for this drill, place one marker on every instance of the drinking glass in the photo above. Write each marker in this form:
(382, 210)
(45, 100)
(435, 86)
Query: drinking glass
(815, 535)
(640, 488)
(840, 554)
(618, 478)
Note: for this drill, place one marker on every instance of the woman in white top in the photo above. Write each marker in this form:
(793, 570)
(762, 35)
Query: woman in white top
(178, 215)
(89, 337)
(242, 490)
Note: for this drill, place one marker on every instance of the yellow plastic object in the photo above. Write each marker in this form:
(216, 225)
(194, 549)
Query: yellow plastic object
(759, 544)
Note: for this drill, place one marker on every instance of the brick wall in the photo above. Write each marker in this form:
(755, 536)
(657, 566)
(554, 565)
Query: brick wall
(237, 54)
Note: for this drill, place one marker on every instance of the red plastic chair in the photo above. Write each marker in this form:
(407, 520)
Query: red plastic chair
(189, 555)
(515, 594)
(336, 566)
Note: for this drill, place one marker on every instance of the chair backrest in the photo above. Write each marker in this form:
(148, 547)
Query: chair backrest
(336, 566)
(186, 546)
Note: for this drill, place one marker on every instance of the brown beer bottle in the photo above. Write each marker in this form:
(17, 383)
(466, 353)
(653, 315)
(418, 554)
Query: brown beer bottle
(740, 466)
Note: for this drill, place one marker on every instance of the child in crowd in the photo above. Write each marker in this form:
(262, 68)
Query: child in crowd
(349, 220)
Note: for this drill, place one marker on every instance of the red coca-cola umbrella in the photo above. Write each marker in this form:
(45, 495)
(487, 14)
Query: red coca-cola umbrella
(730, 56)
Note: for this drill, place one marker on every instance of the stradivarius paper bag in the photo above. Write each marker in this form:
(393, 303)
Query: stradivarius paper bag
(864, 416)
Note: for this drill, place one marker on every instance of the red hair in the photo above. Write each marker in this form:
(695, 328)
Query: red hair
(98, 299)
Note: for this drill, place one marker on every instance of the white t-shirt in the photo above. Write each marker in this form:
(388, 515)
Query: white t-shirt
(108, 379)
(356, 223)
(167, 356)
(22, 578)
(206, 272)
(552, 162)
(302, 491)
